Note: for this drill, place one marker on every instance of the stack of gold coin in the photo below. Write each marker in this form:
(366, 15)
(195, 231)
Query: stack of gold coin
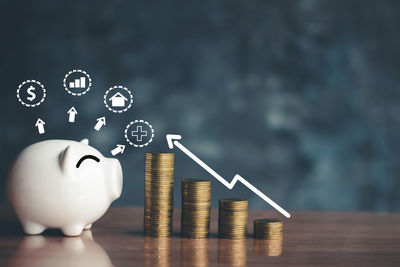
(232, 219)
(268, 228)
(196, 204)
(158, 194)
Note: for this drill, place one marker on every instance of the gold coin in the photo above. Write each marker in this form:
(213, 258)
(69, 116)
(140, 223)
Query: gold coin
(268, 228)
(232, 218)
(158, 193)
(196, 206)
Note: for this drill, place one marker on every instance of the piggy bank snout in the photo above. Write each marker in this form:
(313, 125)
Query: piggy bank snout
(115, 178)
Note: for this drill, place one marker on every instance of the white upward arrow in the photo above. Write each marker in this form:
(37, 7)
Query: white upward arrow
(72, 112)
(172, 140)
(118, 149)
(40, 126)
(100, 122)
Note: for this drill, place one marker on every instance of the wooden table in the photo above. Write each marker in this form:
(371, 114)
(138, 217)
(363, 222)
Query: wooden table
(310, 239)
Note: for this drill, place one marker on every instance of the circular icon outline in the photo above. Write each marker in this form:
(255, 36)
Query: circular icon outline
(73, 71)
(133, 144)
(119, 87)
(31, 105)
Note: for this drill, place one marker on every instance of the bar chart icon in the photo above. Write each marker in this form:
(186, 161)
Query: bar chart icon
(78, 83)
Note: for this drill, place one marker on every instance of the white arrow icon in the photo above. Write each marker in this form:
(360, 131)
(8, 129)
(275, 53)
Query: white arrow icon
(40, 126)
(100, 122)
(118, 149)
(72, 113)
(172, 140)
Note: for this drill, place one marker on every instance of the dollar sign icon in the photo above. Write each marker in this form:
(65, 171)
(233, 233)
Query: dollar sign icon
(31, 94)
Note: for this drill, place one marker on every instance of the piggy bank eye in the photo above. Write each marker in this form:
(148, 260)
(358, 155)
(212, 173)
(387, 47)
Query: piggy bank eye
(87, 157)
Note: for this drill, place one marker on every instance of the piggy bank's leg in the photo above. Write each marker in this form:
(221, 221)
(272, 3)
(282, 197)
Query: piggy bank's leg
(32, 228)
(72, 230)
(87, 226)
(87, 235)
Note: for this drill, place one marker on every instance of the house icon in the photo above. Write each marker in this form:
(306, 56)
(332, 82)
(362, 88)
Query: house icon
(118, 100)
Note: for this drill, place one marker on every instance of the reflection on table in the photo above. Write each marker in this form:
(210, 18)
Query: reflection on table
(356, 239)
(270, 248)
(52, 251)
(232, 252)
(157, 251)
(194, 252)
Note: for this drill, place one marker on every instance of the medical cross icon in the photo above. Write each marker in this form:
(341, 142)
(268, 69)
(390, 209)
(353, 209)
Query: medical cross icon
(139, 133)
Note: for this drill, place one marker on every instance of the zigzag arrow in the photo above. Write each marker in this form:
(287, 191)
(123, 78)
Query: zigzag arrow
(172, 140)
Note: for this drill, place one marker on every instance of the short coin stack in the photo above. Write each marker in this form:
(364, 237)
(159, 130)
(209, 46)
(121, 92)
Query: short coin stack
(196, 204)
(268, 228)
(232, 219)
(158, 194)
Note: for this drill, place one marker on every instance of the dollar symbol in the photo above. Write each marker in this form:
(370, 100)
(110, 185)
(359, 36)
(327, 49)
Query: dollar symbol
(31, 94)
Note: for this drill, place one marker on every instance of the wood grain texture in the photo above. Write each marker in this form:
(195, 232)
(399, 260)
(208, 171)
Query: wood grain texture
(310, 239)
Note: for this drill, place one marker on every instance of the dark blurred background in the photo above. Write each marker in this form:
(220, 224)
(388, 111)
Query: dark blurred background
(299, 97)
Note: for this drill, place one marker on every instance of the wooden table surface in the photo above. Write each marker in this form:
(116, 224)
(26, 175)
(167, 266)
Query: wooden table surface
(309, 239)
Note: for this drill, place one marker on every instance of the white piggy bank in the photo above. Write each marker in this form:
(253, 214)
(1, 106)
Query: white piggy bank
(62, 184)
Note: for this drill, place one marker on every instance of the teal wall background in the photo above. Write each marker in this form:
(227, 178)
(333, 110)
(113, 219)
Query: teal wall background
(299, 97)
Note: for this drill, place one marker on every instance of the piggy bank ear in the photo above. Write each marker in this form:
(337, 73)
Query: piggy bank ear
(67, 160)
(85, 141)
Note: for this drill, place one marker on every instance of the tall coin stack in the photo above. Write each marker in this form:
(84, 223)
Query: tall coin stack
(158, 194)
(268, 228)
(232, 219)
(196, 204)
